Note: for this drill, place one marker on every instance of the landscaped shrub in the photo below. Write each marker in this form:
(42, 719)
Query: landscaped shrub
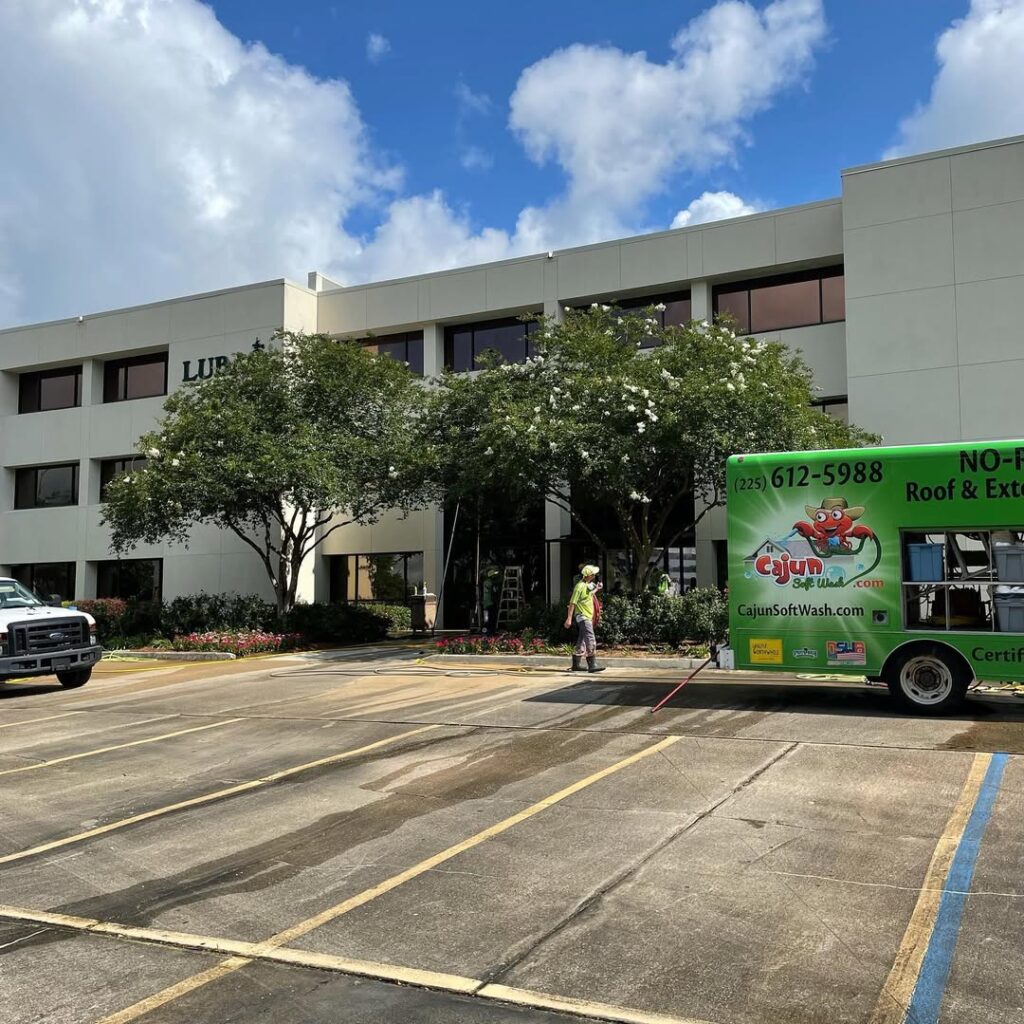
(203, 612)
(706, 613)
(543, 620)
(399, 616)
(700, 616)
(148, 623)
(237, 642)
(339, 623)
(109, 613)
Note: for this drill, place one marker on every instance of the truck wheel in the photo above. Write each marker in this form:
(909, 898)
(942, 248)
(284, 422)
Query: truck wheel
(74, 677)
(927, 677)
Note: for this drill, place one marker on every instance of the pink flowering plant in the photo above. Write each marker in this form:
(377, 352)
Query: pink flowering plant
(505, 643)
(237, 642)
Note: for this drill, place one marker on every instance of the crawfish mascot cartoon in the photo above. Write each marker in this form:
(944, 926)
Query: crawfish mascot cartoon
(832, 527)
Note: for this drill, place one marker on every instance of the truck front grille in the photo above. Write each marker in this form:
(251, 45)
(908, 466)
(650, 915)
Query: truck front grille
(48, 636)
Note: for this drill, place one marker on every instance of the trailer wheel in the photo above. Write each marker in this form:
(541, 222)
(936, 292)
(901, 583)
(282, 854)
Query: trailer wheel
(927, 677)
(74, 677)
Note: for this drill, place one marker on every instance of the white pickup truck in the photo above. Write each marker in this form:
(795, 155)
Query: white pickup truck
(37, 640)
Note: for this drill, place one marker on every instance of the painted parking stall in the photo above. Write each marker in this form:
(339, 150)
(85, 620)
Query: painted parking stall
(530, 841)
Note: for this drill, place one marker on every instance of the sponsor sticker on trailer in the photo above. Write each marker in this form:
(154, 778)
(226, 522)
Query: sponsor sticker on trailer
(846, 652)
(805, 652)
(766, 651)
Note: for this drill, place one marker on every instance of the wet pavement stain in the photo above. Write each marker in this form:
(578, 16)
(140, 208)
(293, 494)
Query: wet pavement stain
(991, 735)
(481, 773)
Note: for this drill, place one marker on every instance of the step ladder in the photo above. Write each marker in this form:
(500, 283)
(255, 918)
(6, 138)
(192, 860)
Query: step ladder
(512, 596)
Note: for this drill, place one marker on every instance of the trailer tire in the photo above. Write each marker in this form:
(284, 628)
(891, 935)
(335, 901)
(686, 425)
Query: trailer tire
(74, 678)
(927, 678)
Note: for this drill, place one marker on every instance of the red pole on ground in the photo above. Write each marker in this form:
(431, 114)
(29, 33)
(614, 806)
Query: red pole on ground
(663, 702)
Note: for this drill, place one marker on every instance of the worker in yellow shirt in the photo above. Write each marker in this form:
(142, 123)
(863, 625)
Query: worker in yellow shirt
(581, 612)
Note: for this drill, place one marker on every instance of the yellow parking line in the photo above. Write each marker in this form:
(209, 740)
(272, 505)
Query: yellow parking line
(243, 953)
(176, 991)
(898, 989)
(300, 929)
(49, 718)
(579, 1007)
(269, 948)
(218, 794)
(117, 746)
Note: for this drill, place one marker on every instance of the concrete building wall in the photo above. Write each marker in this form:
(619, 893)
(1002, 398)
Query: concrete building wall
(934, 272)
(690, 258)
(933, 248)
(194, 328)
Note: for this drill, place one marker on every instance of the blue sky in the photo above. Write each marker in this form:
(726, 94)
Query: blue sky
(877, 65)
(161, 147)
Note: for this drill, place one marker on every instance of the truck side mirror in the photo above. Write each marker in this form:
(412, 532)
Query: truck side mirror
(54, 601)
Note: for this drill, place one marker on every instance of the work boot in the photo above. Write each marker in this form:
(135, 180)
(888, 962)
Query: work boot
(577, 664)
(592, 665)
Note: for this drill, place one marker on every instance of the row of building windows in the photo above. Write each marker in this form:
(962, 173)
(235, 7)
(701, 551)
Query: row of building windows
(123, 380)
(465, 344)
(785, 301)
(356, 579)
(139, 579)
(57, 486)
(763, 304)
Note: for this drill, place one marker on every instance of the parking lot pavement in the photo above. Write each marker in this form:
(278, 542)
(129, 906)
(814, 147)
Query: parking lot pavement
(393, 840)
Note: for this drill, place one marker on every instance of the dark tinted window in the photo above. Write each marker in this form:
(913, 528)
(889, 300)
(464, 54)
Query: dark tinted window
(779, 303)
(137, 579)
(406, 348)
(46, 486)
(50, 389)
(735, 303)
(48, 579)
(833, 298)
(138, 377)
(111, 469)
(677, 311)
(794, 304)
(464, 344)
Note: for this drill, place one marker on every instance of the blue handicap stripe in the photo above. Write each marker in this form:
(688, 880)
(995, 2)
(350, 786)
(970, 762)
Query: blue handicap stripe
(931, 983)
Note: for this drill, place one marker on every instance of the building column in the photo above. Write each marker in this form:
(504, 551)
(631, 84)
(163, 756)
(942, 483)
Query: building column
(557, 524)
(700, 301)
(433, 350)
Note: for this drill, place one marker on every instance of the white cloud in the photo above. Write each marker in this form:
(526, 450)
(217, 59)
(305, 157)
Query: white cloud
(377, 47)
(710, 206)
(424, 233)
(978, 92)
(152, 153)
(620, 124)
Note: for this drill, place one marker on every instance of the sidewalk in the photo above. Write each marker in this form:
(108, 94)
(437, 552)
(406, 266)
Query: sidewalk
(562, 661)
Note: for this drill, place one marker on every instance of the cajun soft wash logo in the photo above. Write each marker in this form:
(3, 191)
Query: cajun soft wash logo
(832, 531)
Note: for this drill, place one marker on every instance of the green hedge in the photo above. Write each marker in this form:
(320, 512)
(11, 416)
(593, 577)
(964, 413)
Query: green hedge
(139, 623)
(347, 623)
(699, 616)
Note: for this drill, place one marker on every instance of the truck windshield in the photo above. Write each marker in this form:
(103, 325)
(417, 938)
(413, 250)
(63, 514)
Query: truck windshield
(14, 595)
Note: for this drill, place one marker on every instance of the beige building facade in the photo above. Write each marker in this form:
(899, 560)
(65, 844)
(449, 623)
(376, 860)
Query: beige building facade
(901, 294)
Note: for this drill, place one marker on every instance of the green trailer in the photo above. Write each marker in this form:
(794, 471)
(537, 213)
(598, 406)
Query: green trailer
(902, 564)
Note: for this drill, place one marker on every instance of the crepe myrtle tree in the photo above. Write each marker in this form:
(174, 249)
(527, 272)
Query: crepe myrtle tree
(616, 409)
(282, 447)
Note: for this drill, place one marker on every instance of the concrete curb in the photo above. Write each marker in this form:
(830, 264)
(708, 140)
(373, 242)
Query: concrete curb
(176, 655)
(552, 661)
